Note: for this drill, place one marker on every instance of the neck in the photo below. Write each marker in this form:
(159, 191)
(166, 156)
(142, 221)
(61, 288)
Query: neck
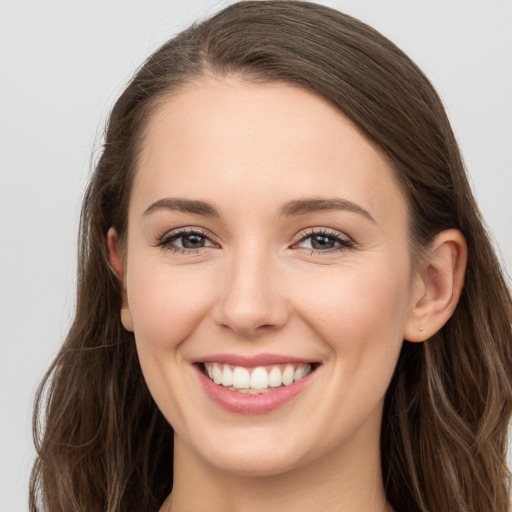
(346, 479)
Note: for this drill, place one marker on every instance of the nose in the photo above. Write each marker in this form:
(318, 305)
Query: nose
(252, 300)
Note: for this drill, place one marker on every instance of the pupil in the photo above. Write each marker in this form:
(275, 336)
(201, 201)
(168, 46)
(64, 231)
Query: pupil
(322, 242)
(192, 241)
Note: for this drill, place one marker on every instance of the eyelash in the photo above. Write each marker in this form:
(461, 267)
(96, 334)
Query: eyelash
(344, 243)
(167, 240)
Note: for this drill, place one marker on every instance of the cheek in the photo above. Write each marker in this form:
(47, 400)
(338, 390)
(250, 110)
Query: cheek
(165, 304)
(360, 318)
(359, 298)
(360, 315)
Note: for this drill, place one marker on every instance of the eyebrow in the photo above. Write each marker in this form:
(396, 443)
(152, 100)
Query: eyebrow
(183, 205)
(292, 208)
(312, 205)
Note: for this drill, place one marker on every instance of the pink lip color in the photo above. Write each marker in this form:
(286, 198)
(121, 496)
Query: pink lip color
(245, 403)
(252, 361)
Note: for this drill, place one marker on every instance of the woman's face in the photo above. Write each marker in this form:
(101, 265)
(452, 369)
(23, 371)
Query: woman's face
(267, 237)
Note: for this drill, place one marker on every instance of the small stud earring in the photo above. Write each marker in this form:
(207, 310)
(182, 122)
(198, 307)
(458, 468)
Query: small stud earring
(421, 328)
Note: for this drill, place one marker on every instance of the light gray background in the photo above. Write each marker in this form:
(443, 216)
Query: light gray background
(62, 64)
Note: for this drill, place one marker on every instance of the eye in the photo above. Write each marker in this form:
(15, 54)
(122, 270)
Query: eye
(323, 240)
(189, 240)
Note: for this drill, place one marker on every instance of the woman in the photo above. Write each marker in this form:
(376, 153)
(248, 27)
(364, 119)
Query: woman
(279, 204)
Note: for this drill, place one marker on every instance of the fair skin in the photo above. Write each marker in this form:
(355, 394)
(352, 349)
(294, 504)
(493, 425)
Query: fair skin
(262, 269)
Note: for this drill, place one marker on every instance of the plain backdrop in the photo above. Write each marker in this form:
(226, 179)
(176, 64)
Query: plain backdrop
(62, 65)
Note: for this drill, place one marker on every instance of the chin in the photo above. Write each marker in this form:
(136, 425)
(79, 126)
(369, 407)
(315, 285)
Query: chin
(260, 465)
(253, 455)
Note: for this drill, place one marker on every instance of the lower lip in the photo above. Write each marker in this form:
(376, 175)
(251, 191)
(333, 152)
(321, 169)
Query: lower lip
(246, 403)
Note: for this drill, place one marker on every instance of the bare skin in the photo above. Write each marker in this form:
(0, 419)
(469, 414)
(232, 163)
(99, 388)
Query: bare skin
(262, 267)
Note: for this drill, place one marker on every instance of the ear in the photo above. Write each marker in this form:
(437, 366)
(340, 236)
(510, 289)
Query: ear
(117, 265)
(437, 286)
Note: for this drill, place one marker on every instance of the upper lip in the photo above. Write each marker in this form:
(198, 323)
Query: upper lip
(253, 360)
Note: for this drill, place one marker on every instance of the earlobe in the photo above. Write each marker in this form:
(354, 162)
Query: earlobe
(438, 285)
(117, 265)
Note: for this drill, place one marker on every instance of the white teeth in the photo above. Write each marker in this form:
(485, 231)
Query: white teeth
(241, 378)
(227, 376)
(274, 377)
(259, 380)
(300, 373)
(288, 375)
(217, 374)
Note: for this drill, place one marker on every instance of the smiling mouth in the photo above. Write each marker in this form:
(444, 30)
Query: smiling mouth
(256, 380)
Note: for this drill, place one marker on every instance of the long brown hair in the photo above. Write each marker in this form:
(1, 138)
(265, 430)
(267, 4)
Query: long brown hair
(103, 445)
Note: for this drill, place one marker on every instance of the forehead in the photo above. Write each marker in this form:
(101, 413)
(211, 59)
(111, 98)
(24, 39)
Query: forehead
(264, 141)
